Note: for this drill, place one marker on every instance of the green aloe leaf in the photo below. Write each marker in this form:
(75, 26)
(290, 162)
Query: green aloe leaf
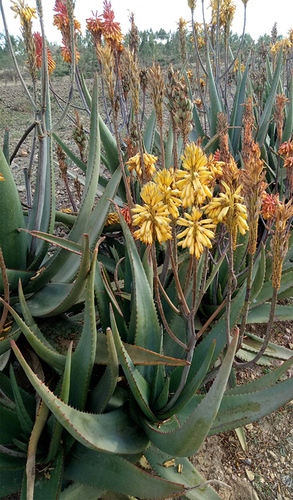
(144, 326)
(113, 432)
(288, 129)
(138, 385)
(238, 108)
(50, 356)
(13, 334)
(149, 131)
(60, 242)
(267, 112)
(56, 298)
(76, 491)
(259, 276)
(45, 487)
(114, 473)
(261, 383)
(13, 243)
(69, 153)
(192, 386)
(254, 343)
(83, 357)
(139, 356)
(64, 396)
(266, 292)
(10, 481)
(184, 434)
(104, 390)
(215, 102)
(189, 476)
(239, 410)
(23, 416)
(260, 314)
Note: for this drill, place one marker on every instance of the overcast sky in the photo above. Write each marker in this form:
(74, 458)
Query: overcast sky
(156, 14)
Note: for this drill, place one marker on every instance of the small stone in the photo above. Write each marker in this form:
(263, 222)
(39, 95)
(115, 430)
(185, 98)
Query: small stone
(249, 427)
(249, 474)
(272, 454)
(248, 461)
(282, 460)
(262, 480)
(290, 346)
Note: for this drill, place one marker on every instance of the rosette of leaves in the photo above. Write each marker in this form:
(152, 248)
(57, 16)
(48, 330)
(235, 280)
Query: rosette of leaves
(93, 426)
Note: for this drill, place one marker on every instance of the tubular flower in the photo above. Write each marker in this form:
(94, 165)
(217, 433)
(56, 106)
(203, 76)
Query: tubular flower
(134, 164)
(1, 177)
(198, 233)
(165, 182)
(153, 217)
(95, 27)
(62, 21)
(269, 206)
(194, 181)
(39, 53)
(111, 29)
(229, 209)
(24, 11)
(113, 218)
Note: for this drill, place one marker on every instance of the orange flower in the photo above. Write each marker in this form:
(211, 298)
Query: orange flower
(61, 20)
(111, 29)
(39, 53)
(95, 26)
(269, 205)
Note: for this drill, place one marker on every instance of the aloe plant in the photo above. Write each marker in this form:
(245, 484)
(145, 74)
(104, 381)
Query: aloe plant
(153, 302)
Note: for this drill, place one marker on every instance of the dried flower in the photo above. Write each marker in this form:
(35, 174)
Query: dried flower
(269, 204)
(198, 233)
(153, 217)
(280, 240)
(157, 87)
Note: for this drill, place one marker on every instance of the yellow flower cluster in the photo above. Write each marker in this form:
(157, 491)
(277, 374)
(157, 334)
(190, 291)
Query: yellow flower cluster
(195, 179)
(24, 11)
(285, 45)
(188, 188)
(228, 208)
(153, 217)
(1, 177)
(165, 181)
(135, 165)
(226, 14)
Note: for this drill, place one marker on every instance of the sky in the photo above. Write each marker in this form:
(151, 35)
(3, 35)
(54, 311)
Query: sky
(156, 14)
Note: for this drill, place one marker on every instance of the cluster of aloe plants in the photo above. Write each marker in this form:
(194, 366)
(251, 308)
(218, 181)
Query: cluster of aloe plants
(140, 304)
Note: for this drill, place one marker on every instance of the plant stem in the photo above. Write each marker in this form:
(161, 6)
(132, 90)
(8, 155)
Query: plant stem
(267, 335)
(229, 289)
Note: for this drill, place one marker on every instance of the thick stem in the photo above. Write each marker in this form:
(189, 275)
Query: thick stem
(21, 140)
(180, 294)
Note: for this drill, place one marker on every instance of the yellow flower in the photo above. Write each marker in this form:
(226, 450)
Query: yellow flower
(153, 217)
(113, 218)
(198, 233)
(229, 209)
(149, 165)
(24, 11)
(193, 182)
(165, 182)
(1, 177)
